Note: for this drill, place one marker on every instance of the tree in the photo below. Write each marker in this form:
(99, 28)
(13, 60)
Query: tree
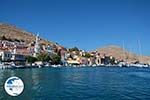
(112, 61)
(44, 57)
(30, 59)
(3, 38)
(73, 49)
(56, 59)
(87, 55)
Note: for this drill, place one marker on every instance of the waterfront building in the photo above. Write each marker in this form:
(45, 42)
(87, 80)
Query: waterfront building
(18, 57)
(63, 54)
(5, 55)
(91, 61)
(48, 49)
(12, 55)
(84, 61)
(108, 60)
(82, 53)
(24, 51)
(30, 50)
(98, 59)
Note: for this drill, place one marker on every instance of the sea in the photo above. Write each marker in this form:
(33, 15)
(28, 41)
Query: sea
(85, 83)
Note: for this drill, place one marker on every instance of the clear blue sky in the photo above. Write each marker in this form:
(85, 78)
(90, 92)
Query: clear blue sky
(87, 24)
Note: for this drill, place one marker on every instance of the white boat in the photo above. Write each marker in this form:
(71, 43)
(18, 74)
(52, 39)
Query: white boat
(139, 65)
(123, 64)
(5, 66)
(39, 66)
(47, 65)
(94, 65)
(19, 66)
(55, 66)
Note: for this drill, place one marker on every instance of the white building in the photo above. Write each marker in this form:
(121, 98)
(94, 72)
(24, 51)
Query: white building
(17, 57)
(9, 56)
(5, 55)
(98, 59)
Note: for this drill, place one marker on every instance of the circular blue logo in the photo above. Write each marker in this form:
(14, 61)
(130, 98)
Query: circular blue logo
(14, 86)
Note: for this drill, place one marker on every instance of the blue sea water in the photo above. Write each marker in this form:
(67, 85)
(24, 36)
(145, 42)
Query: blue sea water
(98, 83)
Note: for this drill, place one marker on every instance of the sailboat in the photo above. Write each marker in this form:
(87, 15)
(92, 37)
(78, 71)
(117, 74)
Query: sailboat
(140, 58)
(124, 62)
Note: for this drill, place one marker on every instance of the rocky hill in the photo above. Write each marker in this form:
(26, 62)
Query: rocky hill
(12, 32)
(121, 54)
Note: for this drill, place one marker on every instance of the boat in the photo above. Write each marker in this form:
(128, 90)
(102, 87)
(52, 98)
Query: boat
(139, 65)
(5, 66)
(123, 64)
(55, 66)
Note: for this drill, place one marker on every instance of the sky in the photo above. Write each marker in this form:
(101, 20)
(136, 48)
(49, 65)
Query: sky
(87, 24)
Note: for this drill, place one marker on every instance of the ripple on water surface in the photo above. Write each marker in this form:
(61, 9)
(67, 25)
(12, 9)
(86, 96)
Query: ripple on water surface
(80, 83)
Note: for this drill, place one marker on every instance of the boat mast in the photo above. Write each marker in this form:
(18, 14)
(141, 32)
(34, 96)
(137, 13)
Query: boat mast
(124, 55)
(140, 50)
